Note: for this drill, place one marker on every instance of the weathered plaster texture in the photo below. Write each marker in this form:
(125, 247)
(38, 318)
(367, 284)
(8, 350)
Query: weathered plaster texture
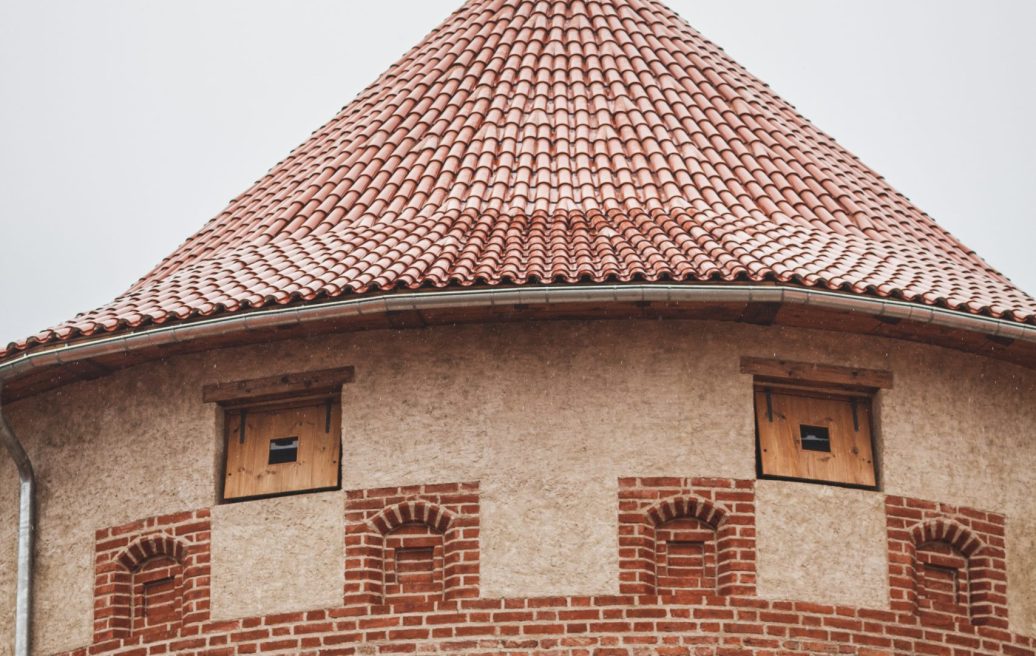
(548, 421)
(134, 444)
(8, 550)
(576, 529)
(277, 555)
(820, 543)
(1021, 574)
(547, 416)
(961, 430)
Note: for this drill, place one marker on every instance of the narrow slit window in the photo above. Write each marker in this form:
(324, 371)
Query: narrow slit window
(686, 559)
(283, 450)
(940, 585)
(415, 567)
(815, 438)
(160, 602)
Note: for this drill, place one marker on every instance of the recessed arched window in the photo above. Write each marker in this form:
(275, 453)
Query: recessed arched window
(413, 563)
(148, 596)
(416, 541)
(685, 557)
(951, 573)
(412, 545)
(686, 537)
(947, 564)
(686, 547)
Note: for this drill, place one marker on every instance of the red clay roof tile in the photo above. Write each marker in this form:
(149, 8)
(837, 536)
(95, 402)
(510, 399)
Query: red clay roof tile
(550, 141)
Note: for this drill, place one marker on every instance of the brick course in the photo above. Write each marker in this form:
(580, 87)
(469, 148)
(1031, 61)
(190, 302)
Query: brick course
(686, 623)
(620, 625)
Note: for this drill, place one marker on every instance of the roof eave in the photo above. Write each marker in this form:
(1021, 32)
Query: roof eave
(888, 311)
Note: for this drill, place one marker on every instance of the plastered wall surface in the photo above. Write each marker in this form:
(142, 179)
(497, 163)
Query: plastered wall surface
(1021, 574)
(821, 543)
(545, 415)
(8, 550)
(961, 434)
(107, 452)
(260, 561)
(548, 421)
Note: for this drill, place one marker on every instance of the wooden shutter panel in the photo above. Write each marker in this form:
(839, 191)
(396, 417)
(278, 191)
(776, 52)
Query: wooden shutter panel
(784, 416)
(249, 473)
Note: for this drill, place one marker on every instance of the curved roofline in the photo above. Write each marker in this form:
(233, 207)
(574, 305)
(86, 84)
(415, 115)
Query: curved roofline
(522, 142)
(366, 306)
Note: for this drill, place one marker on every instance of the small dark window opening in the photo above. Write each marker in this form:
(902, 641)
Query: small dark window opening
(941, 585)
(160, 603)
(815, 438)
(283, 449)
(415, 567)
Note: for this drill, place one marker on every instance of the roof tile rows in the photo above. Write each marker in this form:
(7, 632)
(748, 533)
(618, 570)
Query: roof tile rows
(558, 141)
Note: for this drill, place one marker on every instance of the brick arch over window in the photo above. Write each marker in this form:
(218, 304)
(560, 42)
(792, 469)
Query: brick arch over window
(680, 537)
(947, 564)
(413, 511)
(686, 507)
(419, 549)
(948, 532)
(152, 578)
(953, 577)
(414, 539)
(149, 584)
(149, 547)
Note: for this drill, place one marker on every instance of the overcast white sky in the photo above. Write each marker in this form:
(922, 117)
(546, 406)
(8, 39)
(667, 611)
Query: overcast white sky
(126, 124)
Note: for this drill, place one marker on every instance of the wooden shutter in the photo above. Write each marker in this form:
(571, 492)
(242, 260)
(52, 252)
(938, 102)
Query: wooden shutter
(785, 416)
(316, 425)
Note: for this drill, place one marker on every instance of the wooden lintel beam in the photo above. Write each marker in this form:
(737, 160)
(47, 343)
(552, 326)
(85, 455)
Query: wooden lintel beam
(308, 382)
(806, 372)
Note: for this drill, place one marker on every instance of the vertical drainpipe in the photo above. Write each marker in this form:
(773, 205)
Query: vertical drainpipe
(26, 529)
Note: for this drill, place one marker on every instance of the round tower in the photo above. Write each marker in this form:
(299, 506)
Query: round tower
(567, 336)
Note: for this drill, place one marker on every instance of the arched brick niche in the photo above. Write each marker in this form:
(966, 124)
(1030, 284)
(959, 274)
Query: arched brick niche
(682, 536)
(412, 545)
(947, 564)
(151, 578)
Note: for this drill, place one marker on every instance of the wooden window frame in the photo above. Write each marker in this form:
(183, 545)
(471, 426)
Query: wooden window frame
(820, 380)
(281, 392)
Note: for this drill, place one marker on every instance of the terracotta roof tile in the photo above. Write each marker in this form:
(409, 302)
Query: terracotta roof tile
(552, 141)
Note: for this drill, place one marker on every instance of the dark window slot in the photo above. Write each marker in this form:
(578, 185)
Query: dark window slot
(815, 438)
(283, 449)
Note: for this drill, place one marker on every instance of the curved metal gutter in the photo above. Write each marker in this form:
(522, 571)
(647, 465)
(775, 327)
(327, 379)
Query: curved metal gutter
(470, 298)
(26, 536)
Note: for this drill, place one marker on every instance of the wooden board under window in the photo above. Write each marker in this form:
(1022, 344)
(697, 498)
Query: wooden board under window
(780, 417)
(317, 425)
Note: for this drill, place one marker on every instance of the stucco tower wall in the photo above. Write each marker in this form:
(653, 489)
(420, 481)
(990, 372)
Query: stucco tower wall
(546, 416)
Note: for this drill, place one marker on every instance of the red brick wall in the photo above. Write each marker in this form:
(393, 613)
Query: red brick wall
(430, 532)
(686, 536)
(151, 579)
(947, 564)
(588, 626)
(376, 618)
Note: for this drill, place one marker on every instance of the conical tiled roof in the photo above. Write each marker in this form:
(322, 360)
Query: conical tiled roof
(560, 141)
